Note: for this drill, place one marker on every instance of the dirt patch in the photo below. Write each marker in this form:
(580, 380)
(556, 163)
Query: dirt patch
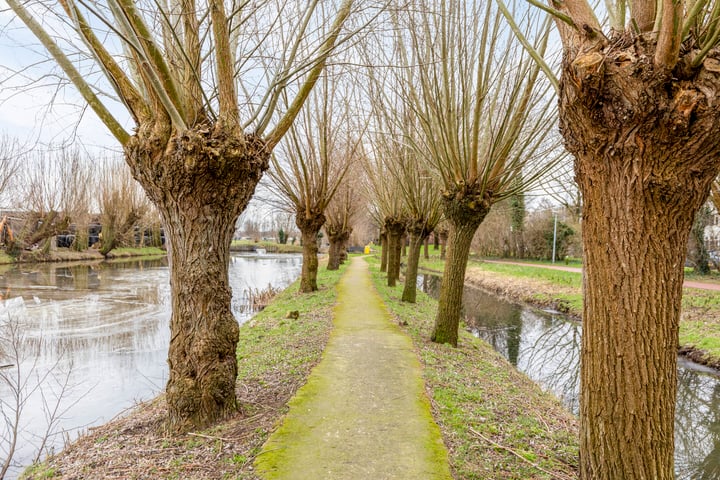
(136, 446)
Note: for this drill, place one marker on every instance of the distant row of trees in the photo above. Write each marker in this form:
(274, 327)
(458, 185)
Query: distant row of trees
(63, 192)
(510, 232)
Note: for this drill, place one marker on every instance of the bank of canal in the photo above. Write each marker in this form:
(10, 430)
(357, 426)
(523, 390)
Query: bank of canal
(546, 346)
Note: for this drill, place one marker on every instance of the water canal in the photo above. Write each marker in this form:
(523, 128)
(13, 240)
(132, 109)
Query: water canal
(546, 346)
(100, 333)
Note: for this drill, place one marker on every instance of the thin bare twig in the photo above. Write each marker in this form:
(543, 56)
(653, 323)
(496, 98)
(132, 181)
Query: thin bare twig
(533, 464)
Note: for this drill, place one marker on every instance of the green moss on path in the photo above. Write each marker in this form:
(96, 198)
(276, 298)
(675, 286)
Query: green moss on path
(363, 412)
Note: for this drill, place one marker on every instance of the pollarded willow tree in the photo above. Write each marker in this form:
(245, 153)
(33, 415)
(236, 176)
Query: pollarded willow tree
(415, 184)
(384, 194)
(639, 111)
(420, 191)
(202, 82)
(122, 204)
(340, 215)
(484, 113)
(312, 162)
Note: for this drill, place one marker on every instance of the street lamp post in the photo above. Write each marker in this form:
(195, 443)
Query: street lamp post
(554, 237)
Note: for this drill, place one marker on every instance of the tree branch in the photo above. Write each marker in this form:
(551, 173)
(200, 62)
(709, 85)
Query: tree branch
(668, 44)
(125, 89)
(157, 69)
(583, 19)
(643, 14)
(229, 115)
(326, 49)
(73, 74)
(529, 48)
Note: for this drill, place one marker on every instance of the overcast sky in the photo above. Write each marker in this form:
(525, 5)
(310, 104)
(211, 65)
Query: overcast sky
(43, 111)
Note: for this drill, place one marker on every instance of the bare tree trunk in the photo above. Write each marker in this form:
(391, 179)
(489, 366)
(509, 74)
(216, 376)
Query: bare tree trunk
(398, 257)
(443, 244)
(309, 225)
(308, 277)
(392, 241)
(465, 212)
(630, 329)
(344, 249)
(426, 244)
(200, 182)
(395, 229)
(646, 151)
(41, 228)
(113, 233)
(417, 238)
(384, 249)
(333, 253)
(338, 242)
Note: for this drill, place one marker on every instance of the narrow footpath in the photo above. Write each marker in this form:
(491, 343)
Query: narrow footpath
(363, 413)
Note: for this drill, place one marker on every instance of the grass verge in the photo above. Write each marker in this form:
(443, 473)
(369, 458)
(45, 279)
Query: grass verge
(123, 252)
(496, 423)
(275, 355)
(5, 258)
(270, 247)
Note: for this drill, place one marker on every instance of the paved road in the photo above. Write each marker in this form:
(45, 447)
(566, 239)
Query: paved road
(363, 413)
(687, 284)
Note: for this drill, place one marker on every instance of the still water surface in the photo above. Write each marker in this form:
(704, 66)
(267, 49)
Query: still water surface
(102, 329)
(546, 346)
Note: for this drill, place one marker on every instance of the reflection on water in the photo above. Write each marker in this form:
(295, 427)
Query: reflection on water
(107, 324)
(547, 348)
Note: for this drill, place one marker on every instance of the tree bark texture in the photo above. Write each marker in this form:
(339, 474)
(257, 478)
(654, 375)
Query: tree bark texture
(646, 150)
(395, 229)
(426, 249)
(465, 210)
(392, 253)
(338, 246)
(398, 257)
(417, 238)
(333, 254)
(309, 226)
(344, 248)
(443, 244)
(200, 181)
(384, 249)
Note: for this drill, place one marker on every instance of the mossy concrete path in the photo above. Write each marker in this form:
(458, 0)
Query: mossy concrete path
(363, 413)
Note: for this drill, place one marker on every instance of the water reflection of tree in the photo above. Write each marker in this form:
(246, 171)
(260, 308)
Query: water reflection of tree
(545, 348)
(431, 285)
(498, 323)
(552, 357)
(697, 426)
